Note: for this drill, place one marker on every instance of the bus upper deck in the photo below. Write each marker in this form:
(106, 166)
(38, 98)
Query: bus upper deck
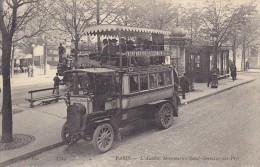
(124, 47)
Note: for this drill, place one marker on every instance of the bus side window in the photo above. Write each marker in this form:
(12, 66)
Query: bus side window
(133, 83)
(161, 79)
(143, 82)
(168, 78)
(152, 81)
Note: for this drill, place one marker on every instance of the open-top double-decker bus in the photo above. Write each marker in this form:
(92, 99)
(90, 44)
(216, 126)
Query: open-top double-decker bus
(128, 86)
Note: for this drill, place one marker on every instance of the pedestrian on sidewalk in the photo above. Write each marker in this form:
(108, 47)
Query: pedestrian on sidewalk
(56, 80)
(29, 70)
(185, 85)
(233, 70)
(210, 76)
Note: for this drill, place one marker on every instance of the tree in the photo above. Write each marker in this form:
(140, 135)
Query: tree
(220, 18)
(191, 19)
(245, 30)
(147, 13)
(72, 17)
(249, 35)
(15, 16)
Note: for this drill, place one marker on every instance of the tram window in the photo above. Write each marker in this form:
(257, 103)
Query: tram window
(133, 83)
(161, 78)
(168, 78)
(143, 82)
(153, 81)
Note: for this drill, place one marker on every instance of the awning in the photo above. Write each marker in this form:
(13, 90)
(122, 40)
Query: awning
(113, 30)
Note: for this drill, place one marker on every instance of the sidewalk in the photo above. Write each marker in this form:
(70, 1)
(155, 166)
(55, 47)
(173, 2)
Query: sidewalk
(22, 79)
(202, 91)
(44, 123)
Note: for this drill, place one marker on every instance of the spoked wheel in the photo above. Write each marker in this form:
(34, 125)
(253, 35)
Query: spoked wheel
(66, 135)
(103, 138)
(164, 117)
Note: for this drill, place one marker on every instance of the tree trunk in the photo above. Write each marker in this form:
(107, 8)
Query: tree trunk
(7, 122)
(234, 55)
(75, 64)
(12, 62)
(98, 23)
(243, 65)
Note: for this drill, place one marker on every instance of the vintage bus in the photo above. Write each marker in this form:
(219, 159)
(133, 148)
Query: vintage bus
(106, 98)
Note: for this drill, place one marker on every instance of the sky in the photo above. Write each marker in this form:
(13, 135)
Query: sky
(201, 2)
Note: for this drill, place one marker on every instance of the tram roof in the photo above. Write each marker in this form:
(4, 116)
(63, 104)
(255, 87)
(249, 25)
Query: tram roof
(91, 70)
(113, 30)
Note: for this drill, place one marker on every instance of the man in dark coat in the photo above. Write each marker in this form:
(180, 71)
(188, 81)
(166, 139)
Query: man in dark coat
(185, 85)
(56, 80)
(233, 70)
(104, 53)
(61, 50)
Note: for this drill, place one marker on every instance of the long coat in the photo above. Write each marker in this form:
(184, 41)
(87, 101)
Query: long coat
(184, 83)
(233, 70)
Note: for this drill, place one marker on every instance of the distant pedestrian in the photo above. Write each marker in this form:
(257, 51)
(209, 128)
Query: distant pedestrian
(57, 81)
(233, 71)
(210, 77)
(29, 70)
(185, 85)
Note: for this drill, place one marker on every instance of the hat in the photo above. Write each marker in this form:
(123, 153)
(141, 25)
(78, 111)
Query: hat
(114, 40)
(105, 41)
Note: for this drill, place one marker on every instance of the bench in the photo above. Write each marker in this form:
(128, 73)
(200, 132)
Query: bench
(44, 100)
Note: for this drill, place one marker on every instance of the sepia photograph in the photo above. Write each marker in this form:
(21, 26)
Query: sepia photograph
(129, 83)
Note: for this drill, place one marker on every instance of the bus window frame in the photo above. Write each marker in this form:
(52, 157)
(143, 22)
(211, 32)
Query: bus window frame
(170, 79)
(155, 80)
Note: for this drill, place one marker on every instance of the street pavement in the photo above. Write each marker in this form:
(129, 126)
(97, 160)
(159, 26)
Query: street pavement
(45, 122)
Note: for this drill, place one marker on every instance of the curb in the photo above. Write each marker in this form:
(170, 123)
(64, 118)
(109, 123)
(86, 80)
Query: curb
(211, 94)
(30, 154)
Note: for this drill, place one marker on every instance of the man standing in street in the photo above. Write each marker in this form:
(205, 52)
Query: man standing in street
(185, 85)
(56, 80)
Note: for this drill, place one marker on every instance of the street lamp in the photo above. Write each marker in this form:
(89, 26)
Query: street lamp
(214, 77)
(33, 45)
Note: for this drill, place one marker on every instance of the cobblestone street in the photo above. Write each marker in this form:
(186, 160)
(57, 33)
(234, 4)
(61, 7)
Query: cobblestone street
(222, 130)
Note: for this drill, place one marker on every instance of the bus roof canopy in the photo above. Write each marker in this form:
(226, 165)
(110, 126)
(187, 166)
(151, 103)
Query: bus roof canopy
(113, 30)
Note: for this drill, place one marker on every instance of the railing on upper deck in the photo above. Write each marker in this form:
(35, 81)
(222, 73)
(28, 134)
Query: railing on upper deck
(141, 55)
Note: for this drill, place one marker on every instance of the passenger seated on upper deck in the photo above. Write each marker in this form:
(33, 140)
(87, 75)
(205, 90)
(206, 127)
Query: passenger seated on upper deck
(130, 45)
(121, 46)
(112, 50)
(104, 52)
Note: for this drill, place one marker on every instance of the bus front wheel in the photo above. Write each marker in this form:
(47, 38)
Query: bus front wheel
(164, 116)
(103, 137)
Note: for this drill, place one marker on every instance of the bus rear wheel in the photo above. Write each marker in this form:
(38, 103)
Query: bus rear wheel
(103, 137)
(164, 116)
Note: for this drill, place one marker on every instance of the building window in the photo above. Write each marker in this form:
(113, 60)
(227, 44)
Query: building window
(143, 82)
(152, 81)
(133, 83)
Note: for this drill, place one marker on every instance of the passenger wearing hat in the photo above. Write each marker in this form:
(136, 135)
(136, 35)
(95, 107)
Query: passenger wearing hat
(104, 53)
(113, 48)
(123, 45)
